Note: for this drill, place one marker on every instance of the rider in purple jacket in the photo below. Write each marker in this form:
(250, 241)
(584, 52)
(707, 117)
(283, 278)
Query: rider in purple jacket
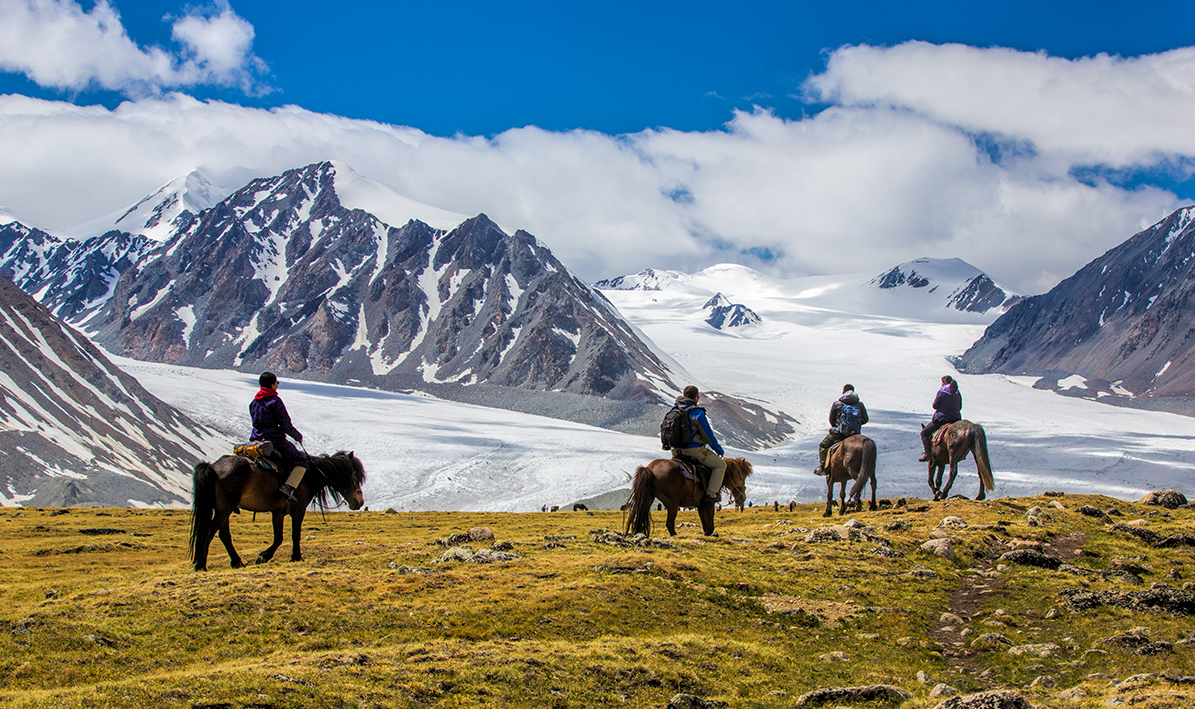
(948, 408)
(272, 423)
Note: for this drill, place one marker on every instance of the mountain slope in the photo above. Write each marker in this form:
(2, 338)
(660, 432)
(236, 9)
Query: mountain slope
(74, 278)
(78, 430)
(1125, 321)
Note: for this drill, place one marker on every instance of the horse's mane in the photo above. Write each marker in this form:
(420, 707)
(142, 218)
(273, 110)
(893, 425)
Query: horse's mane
(738, 469)
(336, 472)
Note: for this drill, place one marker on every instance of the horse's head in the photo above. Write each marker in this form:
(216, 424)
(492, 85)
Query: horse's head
(356, 479)
(345, 476)
(737, 470)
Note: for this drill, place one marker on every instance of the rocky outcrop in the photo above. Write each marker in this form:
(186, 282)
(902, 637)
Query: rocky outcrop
(1123, 322)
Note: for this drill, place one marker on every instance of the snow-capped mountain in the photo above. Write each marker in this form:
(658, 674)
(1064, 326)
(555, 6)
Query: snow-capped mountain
(157, 216)
(78, 430)
(945, 283)
(321, 274)
(647, 279)
(1124, 322)
(72, 277)
(724, 314)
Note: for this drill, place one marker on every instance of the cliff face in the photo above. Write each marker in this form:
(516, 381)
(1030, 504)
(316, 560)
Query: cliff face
(1126, 320)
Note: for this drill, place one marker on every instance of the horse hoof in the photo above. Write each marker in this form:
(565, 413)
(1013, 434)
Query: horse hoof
(238, 564)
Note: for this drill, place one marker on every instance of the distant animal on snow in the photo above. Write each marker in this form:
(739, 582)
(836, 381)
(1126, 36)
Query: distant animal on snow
(555, 508)
(952, 444)
(664, 480)
(578, 507)
(235, 482)
(853, 459)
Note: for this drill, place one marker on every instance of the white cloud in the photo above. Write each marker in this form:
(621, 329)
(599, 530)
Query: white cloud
(1101, 109)
(858, 187)
(56, 44)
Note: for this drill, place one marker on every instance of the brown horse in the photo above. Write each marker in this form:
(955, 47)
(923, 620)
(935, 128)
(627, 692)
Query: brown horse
(663, 480)
(235, 482)
(854, 459)
(952, 446)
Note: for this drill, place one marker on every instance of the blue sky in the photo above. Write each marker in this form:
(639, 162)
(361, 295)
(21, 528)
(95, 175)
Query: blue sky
(480, 67)
(633, 135)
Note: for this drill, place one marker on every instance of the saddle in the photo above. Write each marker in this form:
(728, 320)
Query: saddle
(261, 453)
(693, 470)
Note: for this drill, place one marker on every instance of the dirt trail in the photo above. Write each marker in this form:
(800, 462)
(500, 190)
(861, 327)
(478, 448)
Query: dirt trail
(976, 592)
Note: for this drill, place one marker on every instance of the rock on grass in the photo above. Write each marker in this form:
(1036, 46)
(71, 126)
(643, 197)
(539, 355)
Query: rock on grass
(854, 695)
(999, 699)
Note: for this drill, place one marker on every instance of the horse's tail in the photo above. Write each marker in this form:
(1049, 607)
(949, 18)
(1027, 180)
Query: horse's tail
(638, 515)
(203, 507)
(867, 468)
(980, 442)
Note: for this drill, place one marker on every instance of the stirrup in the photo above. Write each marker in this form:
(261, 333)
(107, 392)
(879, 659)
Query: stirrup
(288, 492)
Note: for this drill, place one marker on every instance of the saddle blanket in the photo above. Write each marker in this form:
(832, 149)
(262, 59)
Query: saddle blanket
(259, 452)
(692, 470)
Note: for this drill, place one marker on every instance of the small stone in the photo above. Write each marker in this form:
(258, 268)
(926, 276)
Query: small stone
(942, 548)
(943, 690)
(951, 619)
(922, 677)
(692, 701)
(958, 522)
(854, 524)
(836, 656)
(1057, 505)
(1040, 650)
(998, 699)
(991, 640)
(1043, 681)
(1073, 693)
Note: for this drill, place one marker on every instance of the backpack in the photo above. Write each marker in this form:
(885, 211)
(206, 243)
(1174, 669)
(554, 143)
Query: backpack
(676, 430)
(850, 419)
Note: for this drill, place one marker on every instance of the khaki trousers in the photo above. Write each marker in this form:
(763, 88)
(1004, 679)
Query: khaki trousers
(711, 460)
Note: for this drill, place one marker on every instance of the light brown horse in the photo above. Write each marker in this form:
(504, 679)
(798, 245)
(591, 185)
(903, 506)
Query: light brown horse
(663, 480)
(854, 459)
(235, 482)
(953, 445)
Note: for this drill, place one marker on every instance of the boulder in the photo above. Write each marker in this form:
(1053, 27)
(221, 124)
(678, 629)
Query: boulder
(1039, 649)
(953, 522)
(1170, 499)
(943, 548)
(481, 534)
(855, 695)
(1031, 557)
(692, 701)
(999, 699)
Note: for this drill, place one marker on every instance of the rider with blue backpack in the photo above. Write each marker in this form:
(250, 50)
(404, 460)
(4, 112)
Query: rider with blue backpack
(847, 417)
(686, 430)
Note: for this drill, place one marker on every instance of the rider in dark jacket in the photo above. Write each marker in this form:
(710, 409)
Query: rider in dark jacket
(836, 434)
(948, 408)
(704, 446)
(272, 423)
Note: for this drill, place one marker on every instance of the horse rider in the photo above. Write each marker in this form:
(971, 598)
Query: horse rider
(703, 446)
(272, 423)
(847, 416)
(948, 408)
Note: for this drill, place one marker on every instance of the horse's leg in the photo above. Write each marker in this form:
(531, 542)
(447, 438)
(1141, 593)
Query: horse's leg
(873, 507)
(829, 495)
(950, 481)
(705, 511)
(268, 553)
(226, 537)
(670, 523)
(842, 498)
(296, 532)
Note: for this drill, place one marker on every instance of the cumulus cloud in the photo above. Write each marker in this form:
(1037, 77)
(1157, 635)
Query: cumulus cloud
(858, 187)
(56, 44)
(1103, 109)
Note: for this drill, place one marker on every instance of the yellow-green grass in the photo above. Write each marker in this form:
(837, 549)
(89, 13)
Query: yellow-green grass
(751, 617)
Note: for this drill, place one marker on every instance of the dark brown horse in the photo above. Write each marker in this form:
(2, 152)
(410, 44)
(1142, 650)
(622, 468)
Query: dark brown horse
(854, 459)
(663, 480)
(951, 446)
(234, 482)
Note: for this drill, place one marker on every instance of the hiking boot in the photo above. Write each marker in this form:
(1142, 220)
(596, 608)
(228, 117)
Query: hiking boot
(818, 471)
(288, 492)
(708, 499)
(924, 458)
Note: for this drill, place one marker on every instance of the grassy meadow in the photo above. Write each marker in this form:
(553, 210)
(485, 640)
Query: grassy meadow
(100, 608)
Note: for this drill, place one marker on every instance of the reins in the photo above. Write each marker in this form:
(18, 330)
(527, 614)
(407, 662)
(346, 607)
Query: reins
(311, 459)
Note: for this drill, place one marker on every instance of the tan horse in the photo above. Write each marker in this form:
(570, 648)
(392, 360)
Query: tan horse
(663, 480)
(854, 459)
(235, 482)
(951, 446)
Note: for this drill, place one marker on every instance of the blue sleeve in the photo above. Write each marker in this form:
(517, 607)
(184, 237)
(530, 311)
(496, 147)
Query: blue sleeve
(709, 432)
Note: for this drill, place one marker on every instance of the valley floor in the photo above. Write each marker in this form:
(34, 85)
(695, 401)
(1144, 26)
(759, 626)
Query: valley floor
(101, 608)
